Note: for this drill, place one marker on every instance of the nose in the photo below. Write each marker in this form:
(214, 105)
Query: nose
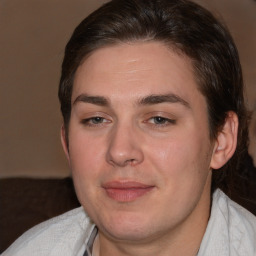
(124, 147)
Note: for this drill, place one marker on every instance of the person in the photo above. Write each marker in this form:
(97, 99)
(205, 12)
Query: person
(155, 128)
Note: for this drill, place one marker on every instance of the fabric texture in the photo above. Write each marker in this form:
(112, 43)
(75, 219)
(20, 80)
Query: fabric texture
(65, 235)
(231, 231)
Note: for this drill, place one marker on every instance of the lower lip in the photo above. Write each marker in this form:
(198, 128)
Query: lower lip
(127, 194)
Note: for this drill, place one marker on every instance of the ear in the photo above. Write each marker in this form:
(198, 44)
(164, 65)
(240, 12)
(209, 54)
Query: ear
(64, 142)
(225, 144)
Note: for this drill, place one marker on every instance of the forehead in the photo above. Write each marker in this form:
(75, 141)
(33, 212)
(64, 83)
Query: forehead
(129, 71)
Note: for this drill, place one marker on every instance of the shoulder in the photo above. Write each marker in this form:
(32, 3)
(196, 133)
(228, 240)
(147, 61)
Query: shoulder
(231, 229)
(63, 235)
(239, 219)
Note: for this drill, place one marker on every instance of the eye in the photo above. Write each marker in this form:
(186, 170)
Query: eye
(161, 121)
(94, 121)
(97, 120)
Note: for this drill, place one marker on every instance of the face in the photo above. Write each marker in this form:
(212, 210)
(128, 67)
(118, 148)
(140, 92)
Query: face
(139, 146)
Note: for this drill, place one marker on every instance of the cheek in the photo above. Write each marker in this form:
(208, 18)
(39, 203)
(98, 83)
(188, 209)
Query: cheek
(180, 159)
(87, 158)
(170, 152)
(85, 150)
(86, 161)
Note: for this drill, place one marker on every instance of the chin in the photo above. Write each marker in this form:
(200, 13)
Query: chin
(127, 227)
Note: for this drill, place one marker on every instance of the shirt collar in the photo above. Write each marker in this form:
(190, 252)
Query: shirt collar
(89, 245)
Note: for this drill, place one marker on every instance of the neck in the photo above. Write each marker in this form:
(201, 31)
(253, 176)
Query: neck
(157, 247)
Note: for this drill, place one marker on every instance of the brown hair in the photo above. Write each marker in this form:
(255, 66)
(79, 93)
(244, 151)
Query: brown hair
(184, 26)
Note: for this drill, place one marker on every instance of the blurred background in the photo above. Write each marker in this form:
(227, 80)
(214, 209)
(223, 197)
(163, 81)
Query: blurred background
(34, 174)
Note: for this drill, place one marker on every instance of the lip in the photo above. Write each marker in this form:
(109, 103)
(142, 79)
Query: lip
(126, 191)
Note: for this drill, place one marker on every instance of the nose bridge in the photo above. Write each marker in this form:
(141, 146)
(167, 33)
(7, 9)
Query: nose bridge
(124, 146)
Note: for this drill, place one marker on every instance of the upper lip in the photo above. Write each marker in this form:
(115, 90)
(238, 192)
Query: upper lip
(125, 185)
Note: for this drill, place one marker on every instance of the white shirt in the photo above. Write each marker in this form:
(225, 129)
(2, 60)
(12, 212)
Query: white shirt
(231, 231)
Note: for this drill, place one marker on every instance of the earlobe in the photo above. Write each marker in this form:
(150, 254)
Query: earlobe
(226, 141)
(64, 141)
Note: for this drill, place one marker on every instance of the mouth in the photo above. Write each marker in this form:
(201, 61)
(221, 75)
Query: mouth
(126, 191)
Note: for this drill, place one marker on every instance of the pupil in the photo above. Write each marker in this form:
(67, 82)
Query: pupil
(97, 120)
(159, 119)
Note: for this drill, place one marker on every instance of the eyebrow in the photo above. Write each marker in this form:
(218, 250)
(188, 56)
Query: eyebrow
(148, 100)
(97, 100)
(163, 98)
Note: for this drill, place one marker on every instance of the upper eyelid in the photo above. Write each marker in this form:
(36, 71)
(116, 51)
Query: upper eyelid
(161, 114)
(112, 116)
(94, 114)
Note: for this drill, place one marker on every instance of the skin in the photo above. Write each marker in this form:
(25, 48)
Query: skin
(120, 134)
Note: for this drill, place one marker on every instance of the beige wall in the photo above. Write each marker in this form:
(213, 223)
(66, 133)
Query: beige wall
(33, 37)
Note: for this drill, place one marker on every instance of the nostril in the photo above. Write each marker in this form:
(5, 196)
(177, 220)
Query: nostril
(130, 161)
